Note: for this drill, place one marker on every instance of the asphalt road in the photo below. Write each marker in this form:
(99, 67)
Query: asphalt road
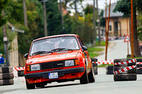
(117, 50)
(104, 84)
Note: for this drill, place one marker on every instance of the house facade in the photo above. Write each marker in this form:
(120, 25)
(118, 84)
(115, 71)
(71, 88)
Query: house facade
(119, 25)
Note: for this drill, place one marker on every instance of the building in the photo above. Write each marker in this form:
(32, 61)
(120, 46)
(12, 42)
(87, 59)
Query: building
(119, 25)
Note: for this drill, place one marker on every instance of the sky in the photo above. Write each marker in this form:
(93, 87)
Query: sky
(101, 2)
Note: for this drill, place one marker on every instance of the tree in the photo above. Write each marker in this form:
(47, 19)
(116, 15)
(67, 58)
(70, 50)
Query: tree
(14, 13)
(124, 6)
(3, 5)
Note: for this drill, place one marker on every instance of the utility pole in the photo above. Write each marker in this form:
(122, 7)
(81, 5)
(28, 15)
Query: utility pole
(94, 19)
(62, 16)
(45, 18)
(99, 32)
(5, 40)
(107, 28)
(128, 37)
(75, 6)
(132, 31)
(25, 13)
(14, 56)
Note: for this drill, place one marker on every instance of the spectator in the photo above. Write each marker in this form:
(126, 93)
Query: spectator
(1, 59)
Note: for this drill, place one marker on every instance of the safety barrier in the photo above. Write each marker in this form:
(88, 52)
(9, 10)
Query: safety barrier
(95, 65)
(126, 62)
(125, 70)
(109, 70)
(139, 66)
(105, 62)
(6, 76)
(20, 71)
(123, 62)
(122, 70)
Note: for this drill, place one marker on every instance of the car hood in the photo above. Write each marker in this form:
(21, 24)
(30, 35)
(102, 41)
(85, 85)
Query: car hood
(58, 56)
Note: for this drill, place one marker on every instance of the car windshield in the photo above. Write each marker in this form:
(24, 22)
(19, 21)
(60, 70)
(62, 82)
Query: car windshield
(50, 45)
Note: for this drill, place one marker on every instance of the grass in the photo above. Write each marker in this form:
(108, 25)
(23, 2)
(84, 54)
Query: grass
(135, 57)
(105, 65)
(101, 44)
(138, 57)
(95, 50)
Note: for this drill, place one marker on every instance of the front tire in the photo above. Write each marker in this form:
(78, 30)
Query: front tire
(30, 86)
(40, 85)
(84, 78)
(91, 76)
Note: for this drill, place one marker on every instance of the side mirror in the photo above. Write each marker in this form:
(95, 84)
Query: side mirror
(26, 55)
(84, 48)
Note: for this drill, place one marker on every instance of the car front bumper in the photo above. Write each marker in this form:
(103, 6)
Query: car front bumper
(61, 73)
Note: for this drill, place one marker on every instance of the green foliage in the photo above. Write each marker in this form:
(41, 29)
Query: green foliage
(139, 5)
(1, 41)
(14, 11)
(123, 6)
(53, 18)
(140, 35)
(102, 19)
(103, 43)
(3, 5)
(88, 9)
(10, 35)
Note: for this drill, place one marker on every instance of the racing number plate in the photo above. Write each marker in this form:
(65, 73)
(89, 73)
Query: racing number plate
(53, 75)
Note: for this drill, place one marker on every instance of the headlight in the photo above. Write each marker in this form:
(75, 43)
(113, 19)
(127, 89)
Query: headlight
(69, 63)
(35, 67)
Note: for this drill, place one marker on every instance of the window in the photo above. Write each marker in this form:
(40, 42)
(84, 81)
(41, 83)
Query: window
(110, 28)
(49, 44)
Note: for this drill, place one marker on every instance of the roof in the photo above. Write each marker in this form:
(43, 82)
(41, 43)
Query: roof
(62, 35)
(112, 13)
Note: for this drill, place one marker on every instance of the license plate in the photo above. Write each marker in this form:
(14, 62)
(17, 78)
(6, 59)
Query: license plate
(53, 75)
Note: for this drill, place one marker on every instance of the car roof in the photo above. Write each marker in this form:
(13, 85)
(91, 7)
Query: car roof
(62, 35)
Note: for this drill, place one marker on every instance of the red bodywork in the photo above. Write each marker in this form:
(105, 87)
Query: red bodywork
(81, 57)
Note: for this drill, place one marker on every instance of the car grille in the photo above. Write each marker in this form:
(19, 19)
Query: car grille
(50, 65)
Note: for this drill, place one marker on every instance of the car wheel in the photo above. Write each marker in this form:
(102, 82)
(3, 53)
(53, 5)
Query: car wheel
(91, 76)
(40, 85)
(30, 86)
(84, 78)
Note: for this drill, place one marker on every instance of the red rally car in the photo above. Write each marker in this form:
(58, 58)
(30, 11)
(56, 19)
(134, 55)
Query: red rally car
(57, 58)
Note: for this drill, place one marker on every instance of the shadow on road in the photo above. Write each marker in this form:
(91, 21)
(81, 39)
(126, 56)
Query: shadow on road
(63, 85)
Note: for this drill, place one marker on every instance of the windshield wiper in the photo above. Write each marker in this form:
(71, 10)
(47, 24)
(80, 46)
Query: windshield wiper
(60, 49)
(69, 49)
(41, 52)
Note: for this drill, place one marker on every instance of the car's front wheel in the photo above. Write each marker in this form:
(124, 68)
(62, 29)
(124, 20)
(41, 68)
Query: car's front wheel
(91, 76)
(40, 85)
(84, 78)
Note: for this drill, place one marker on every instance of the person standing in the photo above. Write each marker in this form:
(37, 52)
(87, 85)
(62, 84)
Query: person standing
(1, 59)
